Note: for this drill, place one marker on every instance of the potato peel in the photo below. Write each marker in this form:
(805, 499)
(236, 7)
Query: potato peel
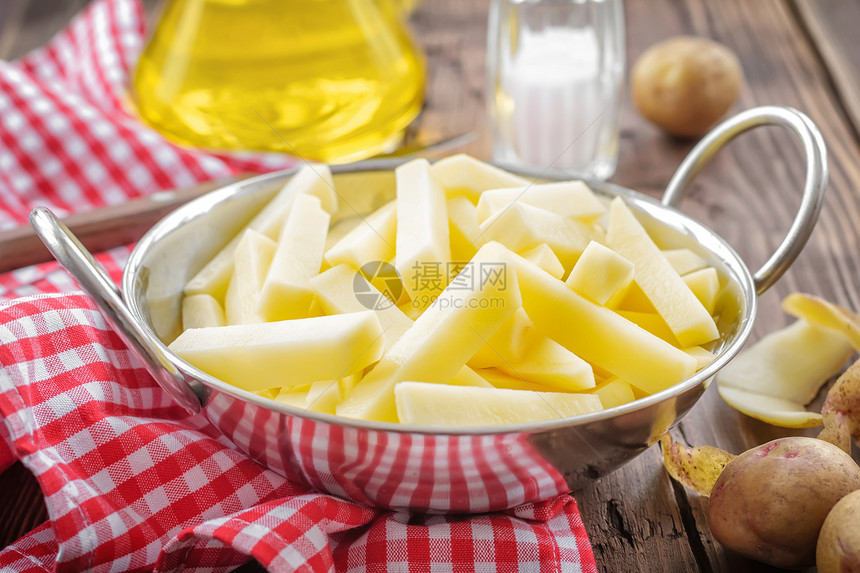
(818, 311)
(841, 409)
(696, 468)
(774, 411)
(836, 432)
(772, 380)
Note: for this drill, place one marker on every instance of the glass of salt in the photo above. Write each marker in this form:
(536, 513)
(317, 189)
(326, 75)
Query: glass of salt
(555, 73)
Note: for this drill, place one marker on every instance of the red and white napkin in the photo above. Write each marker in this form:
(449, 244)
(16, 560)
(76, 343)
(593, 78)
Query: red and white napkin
(131, 482)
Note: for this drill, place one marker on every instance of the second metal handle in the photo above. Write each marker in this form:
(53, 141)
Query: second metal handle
(814, 184)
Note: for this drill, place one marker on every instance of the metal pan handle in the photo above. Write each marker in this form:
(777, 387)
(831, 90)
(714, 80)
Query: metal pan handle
(93, 279)
(814, 185)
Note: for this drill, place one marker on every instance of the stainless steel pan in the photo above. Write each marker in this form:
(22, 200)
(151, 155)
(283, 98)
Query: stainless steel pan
(424, 468)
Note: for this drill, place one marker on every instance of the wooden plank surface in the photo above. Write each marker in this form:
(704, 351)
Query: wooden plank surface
(104, 228)
(21, 508)
(748, 194)
(832, 27)
(637, 519)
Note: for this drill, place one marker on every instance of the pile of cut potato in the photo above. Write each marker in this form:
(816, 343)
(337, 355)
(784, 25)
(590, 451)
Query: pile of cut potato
(475, 297)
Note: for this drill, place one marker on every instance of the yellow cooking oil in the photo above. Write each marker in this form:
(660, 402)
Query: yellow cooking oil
(328, 80)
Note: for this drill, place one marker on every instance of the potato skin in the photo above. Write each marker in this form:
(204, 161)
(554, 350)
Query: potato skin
(685, 85)
(838, 549)
(769, 503)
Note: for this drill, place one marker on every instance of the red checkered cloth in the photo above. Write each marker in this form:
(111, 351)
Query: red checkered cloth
(132, 482)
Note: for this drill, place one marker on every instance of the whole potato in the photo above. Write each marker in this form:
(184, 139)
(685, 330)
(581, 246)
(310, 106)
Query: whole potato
(685, 85)
(769, 502)
(838, 549)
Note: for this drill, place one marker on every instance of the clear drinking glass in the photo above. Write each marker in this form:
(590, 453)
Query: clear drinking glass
(555, 72)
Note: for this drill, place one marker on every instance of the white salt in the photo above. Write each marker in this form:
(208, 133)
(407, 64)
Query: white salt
(555, 98)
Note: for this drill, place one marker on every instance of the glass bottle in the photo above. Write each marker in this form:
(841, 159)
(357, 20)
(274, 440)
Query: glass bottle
(555, 72)
(329, 80)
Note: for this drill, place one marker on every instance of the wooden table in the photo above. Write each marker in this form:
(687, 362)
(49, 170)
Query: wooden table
(799, 53)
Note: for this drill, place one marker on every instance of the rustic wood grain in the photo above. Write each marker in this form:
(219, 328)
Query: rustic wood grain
(22, 507)
(832, 25)
(101, 229)
(28, 24)
(749, 195)
(11, 17)
(452, 35)
(637, 519)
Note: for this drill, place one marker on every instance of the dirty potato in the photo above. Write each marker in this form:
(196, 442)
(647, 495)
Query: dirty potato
(685, 85)
(769, 503)
(838, 549)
